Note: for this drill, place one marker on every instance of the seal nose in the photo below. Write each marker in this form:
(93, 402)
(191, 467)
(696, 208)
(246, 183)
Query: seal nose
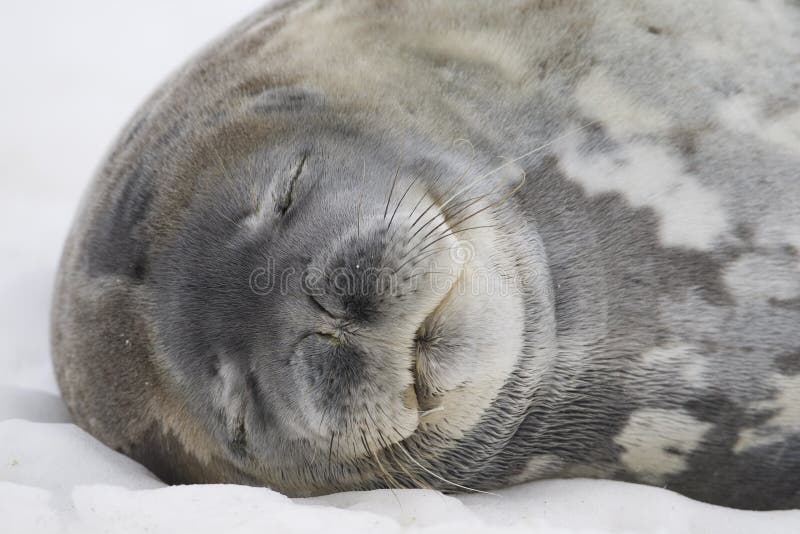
(372, 286)
(380, 277)
(351, 281)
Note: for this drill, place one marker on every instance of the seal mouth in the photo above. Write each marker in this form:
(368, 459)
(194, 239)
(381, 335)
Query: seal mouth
(424, 339)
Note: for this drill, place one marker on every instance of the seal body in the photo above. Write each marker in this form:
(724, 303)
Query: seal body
(355, 245)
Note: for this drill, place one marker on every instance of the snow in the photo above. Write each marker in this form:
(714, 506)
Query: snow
(72, 74)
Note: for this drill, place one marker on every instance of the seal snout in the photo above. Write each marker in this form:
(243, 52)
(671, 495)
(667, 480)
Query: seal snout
(372, 290)
(381, 279)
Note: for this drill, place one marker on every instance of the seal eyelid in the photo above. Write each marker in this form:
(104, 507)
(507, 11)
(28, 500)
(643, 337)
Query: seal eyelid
(284, 200)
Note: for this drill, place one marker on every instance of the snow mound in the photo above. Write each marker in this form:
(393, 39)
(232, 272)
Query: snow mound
(57, 478)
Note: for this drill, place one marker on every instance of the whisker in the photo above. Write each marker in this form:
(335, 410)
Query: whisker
(442, 207)
(429, 253)
(389, 198)
(454, 232)
(422, 240)
(420, 484)
(417, 275)
(466, 171)
(439, 408)
(496, 202)
(388, 449)
(423, 195)
(401, 200)
(542, 147)
(445, 221)
(467, 488)
(432, 204)
(488, 206)
(409, 430)
(467, 203)
(489, 173)
(391, 483)
(330, 450)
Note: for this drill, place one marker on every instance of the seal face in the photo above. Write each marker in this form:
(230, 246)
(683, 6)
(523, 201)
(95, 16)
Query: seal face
(357, 246)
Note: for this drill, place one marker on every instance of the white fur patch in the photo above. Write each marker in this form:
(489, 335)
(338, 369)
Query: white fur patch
(714, 51)
(482, 47)
(785, 421)
(648, 435)
(761, 277)
(786, 234)
(537, 467)
(691, 215)
(682, 359)
(228, 393)
(620, 113)
(741, 114)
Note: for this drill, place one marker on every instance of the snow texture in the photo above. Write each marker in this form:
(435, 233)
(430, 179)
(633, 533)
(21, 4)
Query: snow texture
(72, 73)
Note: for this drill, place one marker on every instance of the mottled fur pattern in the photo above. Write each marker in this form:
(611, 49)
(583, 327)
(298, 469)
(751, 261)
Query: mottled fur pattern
(652, 331)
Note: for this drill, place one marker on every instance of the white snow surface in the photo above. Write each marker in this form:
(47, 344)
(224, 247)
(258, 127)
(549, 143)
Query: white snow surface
(72, 73)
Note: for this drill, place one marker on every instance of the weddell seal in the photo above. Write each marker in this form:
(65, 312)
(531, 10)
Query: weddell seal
(357, 245)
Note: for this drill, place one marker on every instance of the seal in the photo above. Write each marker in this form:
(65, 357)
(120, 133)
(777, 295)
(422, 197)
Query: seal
(357, 245)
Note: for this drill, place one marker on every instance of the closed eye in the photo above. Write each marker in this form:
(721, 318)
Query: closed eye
(284, 199)
(330, 338)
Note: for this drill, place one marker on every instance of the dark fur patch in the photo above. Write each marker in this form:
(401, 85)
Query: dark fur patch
(284, 99)
(115, 246)
(789, 362)
(737, 479)
(789, 304)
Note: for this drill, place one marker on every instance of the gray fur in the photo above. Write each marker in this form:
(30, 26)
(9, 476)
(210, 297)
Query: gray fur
(653, 250)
